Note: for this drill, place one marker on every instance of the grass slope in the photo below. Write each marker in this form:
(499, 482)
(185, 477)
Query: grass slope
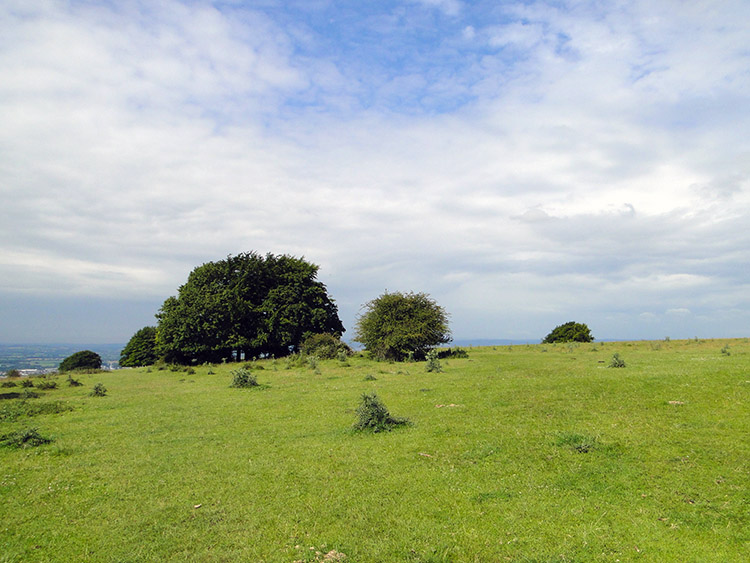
(518, 453)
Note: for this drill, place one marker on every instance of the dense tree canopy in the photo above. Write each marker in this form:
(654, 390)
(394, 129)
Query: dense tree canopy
(569, 332)
(141, 349)
(247, 305)
(395, 324)
(85, 359)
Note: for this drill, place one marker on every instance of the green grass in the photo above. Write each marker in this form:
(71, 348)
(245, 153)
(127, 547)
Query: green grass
(522, 453)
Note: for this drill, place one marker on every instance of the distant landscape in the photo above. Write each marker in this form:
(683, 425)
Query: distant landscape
(44, 357)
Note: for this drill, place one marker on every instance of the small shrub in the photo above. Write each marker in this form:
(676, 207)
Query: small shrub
(242, 378)
(28, 394)
(190, 371)
(616, 361)
(99, 390)
(295, 361)
(46, 384)
(325, 346)
(312, 362)
(370, 377)
(27, 438)
(433, 363)
(13, 373)
(73, 382)
(725, 350)
(27, 383)
(372, 415)
(8, 384)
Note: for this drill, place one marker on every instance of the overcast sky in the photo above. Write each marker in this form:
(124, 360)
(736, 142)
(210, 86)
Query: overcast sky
(525, 163)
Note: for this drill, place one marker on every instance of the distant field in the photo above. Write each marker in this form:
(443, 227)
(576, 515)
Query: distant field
(49, 356)
(518, 453)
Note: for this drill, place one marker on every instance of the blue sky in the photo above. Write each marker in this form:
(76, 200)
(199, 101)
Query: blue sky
(525, 163)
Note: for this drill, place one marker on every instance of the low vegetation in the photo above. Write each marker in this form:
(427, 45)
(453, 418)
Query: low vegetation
(518, 453)
(373, 415)
(26, 438)
(617, 361)
(243, 378)
(325, 347)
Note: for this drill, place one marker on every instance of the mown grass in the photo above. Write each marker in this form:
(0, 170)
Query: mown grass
(523, 453)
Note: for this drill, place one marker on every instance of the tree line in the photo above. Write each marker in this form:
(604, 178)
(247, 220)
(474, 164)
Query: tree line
(249, 306)
(253, 306)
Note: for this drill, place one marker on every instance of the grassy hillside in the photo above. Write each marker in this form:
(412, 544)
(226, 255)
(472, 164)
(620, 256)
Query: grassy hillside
(518, 453)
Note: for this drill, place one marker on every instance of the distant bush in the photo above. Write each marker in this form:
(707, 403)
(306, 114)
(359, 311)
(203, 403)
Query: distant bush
(616, 361)
(725, 350)
(8, 384)
(46, 384)
(242, 378)
(457, 353)
(99, 390)
(370, 377)
(433, 363)
(372, 415)
(74, 382)
(569, 332)
(13, 373)
(27, 383)
(85, 359)
(325, 346)
(27, 438)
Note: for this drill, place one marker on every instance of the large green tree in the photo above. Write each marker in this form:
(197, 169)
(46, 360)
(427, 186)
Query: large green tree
(249, 305)
(395, 324)
(569, 332)
(141, 349)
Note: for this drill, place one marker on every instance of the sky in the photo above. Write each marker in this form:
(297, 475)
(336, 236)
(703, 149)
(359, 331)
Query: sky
(524, 163)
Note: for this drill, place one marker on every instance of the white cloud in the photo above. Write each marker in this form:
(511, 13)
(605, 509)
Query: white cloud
(587, 162)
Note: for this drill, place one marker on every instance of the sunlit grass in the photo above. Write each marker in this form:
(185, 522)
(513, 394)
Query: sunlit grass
(523, 453)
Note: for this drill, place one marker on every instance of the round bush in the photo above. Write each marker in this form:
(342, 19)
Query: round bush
(85, 359)
(324, 346)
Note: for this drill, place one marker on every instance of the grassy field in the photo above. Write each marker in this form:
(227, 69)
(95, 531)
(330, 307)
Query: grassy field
(522, 453)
